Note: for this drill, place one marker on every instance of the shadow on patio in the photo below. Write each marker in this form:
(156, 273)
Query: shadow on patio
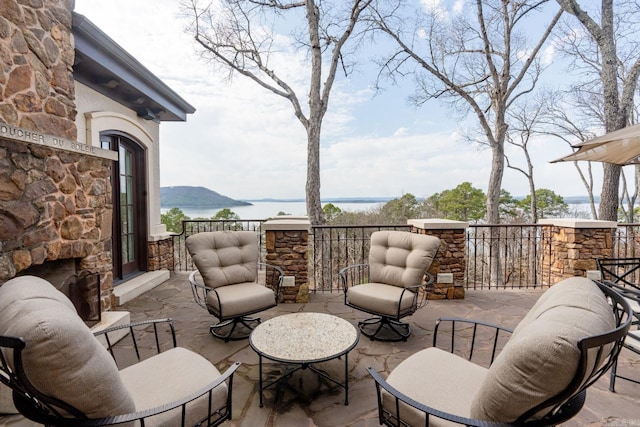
(309, 407)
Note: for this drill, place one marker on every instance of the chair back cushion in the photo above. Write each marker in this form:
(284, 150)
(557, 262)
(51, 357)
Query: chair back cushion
(62, 358)
(400, 258)
(225, 257)
(542, 356)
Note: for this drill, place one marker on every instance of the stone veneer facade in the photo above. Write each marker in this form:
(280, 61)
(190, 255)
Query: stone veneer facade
(451, 257)
(287, 246)
(575, 246)
(54, 204)
(36, 60)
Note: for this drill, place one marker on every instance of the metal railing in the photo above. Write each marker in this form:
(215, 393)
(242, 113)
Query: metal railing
(498, 256)
(337, 246)
(506, 256)
(182, 260)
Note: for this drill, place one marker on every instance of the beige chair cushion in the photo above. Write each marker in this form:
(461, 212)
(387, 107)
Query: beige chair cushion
(6, 401)
(182, 372)
(438, 379)
(380, 298)
(541, 357)
(62, 357)
(240, 299)
(400, 258)
(17, 421)
(225, 257)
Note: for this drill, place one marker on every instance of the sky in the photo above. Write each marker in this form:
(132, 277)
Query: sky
(245, 142)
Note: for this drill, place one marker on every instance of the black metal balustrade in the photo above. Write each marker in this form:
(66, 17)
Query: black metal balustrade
(498, 256)
(506, 256)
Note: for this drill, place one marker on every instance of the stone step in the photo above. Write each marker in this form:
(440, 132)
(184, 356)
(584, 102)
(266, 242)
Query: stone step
(135, 287)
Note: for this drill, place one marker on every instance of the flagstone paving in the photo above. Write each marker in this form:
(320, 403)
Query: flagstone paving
(313, 403)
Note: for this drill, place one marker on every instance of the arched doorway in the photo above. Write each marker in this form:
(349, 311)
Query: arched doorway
(128, 180)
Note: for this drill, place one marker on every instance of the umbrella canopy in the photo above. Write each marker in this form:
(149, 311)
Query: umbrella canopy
(620, 147)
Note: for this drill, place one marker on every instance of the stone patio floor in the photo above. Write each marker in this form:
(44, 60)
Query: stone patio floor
(316, 404)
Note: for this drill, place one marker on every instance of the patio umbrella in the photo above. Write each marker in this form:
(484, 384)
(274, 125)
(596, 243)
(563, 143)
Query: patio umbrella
(620, 147)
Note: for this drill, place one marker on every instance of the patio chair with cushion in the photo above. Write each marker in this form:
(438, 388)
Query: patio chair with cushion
(567, 340)
(393, 285)
(621, 275)
(226, 281)
(60, 374)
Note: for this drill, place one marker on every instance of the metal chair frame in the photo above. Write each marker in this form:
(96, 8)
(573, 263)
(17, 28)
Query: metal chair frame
(383, 327)
(233, 328)
(563, 406)
(621, 274)
(48, 411)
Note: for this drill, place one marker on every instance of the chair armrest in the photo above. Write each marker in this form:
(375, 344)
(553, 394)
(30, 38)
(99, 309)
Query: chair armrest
(462, 340)
(139, 332)
(354, 275)
(226, 376)
(398, 396)
(274, 276)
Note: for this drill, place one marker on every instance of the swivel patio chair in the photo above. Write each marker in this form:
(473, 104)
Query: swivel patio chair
(60, 374)
(621, 274)
(226, 280)
(537, 374)
(393, 285)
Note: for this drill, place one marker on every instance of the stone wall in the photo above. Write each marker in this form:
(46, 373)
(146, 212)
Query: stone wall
(161, 255)
(36, 59)
(574, 247)
(451, 257)
(54, 205)
(287, 246)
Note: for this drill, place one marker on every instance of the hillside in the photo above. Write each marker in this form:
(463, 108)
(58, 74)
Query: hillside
(195, 197)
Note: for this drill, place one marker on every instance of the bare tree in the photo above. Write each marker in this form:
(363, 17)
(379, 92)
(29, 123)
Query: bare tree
(239, 35)
(569, 116)
(525, 118)
(479, 61)
(609, 56)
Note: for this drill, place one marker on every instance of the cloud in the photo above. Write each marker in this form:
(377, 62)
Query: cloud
(246, 143)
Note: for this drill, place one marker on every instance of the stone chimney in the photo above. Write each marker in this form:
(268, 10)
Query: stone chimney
(55, 202)
(36, 59)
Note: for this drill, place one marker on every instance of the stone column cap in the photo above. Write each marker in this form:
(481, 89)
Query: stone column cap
(578, 223)
(287, 222)
(437, 224)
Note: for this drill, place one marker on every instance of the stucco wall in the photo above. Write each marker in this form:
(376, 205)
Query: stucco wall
(97, 113)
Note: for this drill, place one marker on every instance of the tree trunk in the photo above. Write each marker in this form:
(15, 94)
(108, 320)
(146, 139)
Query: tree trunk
(314, 205)
(608, 209)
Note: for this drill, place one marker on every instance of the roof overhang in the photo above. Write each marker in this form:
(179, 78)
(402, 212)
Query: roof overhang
(104, 66)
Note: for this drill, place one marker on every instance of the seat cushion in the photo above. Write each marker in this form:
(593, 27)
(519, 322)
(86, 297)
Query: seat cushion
(225, 257)
(541, 357)
(379, 298)
(401, 258)
(438, 379)
(240, 299)
(182, 372)
(62, 358)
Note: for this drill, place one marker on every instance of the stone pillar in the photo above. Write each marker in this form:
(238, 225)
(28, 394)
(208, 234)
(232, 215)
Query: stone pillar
(160, 254)
(287, 246)
(574, 244)
(449, 266)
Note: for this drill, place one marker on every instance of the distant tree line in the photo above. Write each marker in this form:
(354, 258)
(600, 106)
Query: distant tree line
(462, 203)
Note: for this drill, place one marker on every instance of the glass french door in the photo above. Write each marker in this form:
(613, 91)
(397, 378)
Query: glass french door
(129, 207)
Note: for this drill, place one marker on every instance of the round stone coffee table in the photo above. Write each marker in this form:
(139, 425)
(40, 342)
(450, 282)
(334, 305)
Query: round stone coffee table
(303, 339)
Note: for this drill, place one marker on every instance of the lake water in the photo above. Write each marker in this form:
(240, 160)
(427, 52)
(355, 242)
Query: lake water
(263, 210)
